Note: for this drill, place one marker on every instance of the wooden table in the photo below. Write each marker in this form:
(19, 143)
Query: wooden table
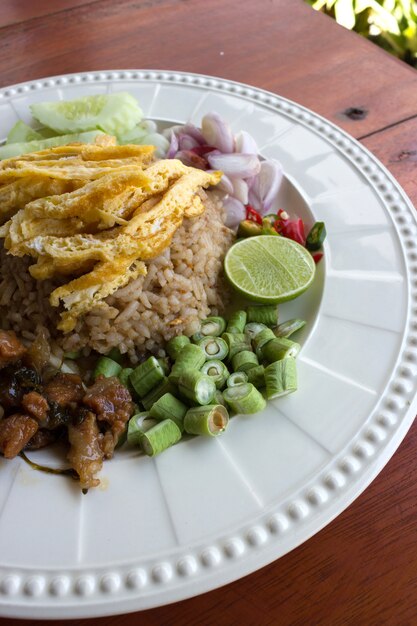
(362, 568)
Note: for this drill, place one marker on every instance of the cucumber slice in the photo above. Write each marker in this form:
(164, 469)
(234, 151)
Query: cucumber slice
(45, 132)
(115, 113)
(21, 132)
(15, 149)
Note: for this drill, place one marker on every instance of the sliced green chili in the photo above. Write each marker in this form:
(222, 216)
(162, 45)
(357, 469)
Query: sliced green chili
(146, 376)
(286, 329)
(169, 407)
(214, 348)
(244, 361)
(316, 237)
(256, 376)
(106, 367)
(209, 420)
(244, 398)
(236, 323)
(211, 326)
(191, 357)
(165, 386)
(160, 437)
(217, 371)
(265, 314)
(175, 345)
(281, 378)
(237, 379)
(279, 348)
(247, 228)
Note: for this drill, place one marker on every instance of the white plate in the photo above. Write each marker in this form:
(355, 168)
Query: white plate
(205, 513)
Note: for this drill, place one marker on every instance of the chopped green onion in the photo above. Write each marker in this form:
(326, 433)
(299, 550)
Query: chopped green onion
(256, 376)
(236, 323)
(164, 363)
(72, 355)
(280, 348)
(169, 407)
(316, 237)
(237, 379)
(236, 342)
(217, 371)
(175, 345)
(146, 376)
(166, 386)
(138, 424)
(254, 328)
(244, 361)
(160, 437)
(122, 439)
(115, 355)
(244, 398)
(261, 339)
(206, 420)
(124, 376)
(214, 348)
(281, 378)
(265, 314)
(106, 367)
(211, 326)
(286, 329)
(196, 387)
(248, 228)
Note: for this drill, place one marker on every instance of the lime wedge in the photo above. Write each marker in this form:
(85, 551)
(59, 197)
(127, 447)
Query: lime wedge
(269, 269)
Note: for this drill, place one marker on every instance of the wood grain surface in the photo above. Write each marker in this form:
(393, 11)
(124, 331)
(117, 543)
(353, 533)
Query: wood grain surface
(362, 568)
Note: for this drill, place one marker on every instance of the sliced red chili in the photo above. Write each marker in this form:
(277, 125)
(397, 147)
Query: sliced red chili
(317, 257)
(253, 215)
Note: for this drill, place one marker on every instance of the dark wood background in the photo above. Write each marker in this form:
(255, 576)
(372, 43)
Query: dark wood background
(362, 568)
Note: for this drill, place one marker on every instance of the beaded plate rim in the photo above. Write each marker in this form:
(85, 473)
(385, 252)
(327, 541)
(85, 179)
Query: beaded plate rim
(55, 593)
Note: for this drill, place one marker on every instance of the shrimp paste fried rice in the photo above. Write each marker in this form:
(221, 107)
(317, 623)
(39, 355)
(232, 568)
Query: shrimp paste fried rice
(183, 285)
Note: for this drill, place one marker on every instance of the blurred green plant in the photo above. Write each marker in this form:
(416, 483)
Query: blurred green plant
(392, 24)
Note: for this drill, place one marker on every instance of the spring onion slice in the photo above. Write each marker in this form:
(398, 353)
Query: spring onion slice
(256, 376)
(197, 387)
(169, 407)
(138, 424)
(191, 357)
(281, 378)
(217, 371)
(72, 355)
(166, 386)
(213, 326)
(280, 348)
(288, 328)
(261, 339)
(160, 437)
(115, 354)
(265, 314)
(254, 328)
(237, 321)
(236, 342)
(209, 420)
(237, 379)
(244, 361)
(146, 376)
(175, 345)
(214, 348)
(106, 367)
(244, 398)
